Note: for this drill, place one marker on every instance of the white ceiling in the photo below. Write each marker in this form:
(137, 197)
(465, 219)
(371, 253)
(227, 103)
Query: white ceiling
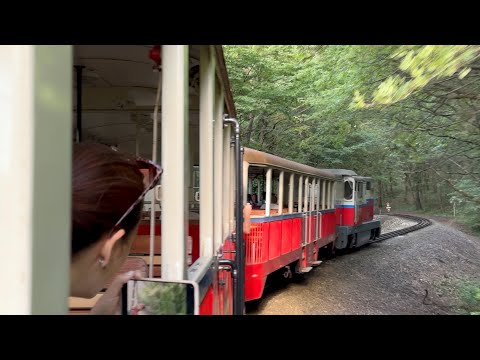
(119, 88)
(116, 65)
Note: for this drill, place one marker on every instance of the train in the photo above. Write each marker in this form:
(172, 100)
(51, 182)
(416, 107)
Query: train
(316, 212)
(173, 104)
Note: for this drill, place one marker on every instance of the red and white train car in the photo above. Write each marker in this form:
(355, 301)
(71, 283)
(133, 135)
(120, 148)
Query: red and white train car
(299, 214)
(295, 221)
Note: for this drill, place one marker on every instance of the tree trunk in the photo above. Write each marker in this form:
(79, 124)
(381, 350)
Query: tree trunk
(391, 186)
(380, 195)
(248, 133)
(262, 131)
(439, 194)
(410, 187)
(418, 202)
(405, 197)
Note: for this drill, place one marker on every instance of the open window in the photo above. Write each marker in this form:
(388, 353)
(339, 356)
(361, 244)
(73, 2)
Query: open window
(256, 186)
(359, 189)
(348, 189)
(195, 196)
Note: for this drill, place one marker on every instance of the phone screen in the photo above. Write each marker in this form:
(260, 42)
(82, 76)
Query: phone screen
(159, 297)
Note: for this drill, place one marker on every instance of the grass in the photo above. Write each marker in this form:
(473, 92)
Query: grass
(470, 293)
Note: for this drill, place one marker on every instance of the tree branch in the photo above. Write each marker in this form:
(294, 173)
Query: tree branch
(466, 195)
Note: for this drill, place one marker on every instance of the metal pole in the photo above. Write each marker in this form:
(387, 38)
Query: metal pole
(137, 142)
(239, 303)
(34, 267)
(79, 69)
(207, 97)
(174, 160)
(268, 197)
(218, 175)
(280, 193)
(154, 159)
(290, 194)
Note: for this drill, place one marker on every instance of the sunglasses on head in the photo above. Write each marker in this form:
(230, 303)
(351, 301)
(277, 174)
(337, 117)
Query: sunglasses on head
(151, 172)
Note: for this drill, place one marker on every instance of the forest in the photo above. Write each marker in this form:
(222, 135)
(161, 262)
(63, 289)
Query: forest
(407, 115)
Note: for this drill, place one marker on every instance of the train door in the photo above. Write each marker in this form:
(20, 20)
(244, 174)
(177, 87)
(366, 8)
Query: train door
(348, 208)
(358, 200)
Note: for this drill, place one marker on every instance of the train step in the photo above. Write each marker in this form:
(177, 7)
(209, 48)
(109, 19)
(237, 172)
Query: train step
(316, 263)
(306, 269)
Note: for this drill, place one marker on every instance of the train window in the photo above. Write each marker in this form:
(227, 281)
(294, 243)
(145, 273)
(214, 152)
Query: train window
(275, 195)
(275, 182)
(299, 193)
(320, 193)
(306, 193)
(332, 199)
(348, 190)
(196, 177)
(317, 195)
(369, 185)
(256, 185)
(289, 191)
(194, 196)
(360, 189)
(324, 192)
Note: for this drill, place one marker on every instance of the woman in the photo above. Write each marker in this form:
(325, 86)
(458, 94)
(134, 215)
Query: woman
(107, 200)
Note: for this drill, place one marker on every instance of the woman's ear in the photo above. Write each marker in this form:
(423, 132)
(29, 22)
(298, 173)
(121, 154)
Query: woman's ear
(108, 244)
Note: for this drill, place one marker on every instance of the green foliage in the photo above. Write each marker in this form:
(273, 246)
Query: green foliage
(470, 293)
(417, 134)
(467, 209)
(164, 298)
(290, 95)
(418, 67)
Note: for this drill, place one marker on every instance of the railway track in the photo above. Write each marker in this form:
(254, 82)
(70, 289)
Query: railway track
(275, 283)
(421, 223)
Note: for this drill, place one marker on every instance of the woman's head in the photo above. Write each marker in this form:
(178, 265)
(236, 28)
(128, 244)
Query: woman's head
(105, 184)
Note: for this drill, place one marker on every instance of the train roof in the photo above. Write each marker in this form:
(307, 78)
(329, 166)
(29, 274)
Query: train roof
(222, 74)
(364, 178)
(262, 158)
(341, 172)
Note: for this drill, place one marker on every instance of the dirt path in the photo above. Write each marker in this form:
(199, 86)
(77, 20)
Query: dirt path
(424, 272)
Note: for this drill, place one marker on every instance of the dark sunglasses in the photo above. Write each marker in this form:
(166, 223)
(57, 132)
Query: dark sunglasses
(151, 172)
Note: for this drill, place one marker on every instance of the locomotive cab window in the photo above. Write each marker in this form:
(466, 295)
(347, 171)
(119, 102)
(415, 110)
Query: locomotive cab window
(348, 190)
(360, 190)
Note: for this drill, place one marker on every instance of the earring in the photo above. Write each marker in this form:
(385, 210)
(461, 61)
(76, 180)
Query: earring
(102, 262)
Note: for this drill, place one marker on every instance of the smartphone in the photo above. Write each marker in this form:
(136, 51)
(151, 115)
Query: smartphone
(160, 297)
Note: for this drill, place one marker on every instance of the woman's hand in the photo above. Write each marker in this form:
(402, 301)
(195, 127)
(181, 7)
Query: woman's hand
(109, 303)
